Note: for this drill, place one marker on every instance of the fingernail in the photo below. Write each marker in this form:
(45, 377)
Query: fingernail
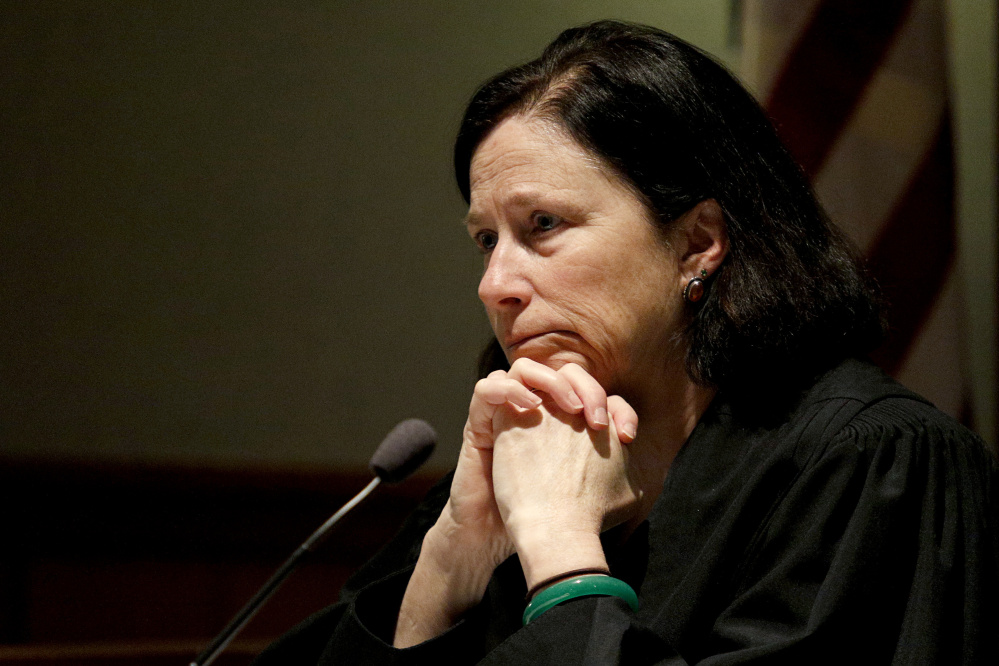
(575, 401)
(629, 430)
(600, 417)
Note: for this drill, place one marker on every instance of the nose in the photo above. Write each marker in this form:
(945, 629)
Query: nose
(505, 283)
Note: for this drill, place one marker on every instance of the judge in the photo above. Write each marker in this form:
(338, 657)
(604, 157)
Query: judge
(677, 452)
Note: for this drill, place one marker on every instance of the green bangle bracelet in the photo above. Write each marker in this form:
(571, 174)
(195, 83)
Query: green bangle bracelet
(581, 586)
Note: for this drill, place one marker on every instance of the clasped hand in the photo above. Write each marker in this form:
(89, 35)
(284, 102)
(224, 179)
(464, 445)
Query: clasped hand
(542, 469)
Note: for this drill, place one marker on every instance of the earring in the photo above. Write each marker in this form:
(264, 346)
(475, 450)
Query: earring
(694, 291)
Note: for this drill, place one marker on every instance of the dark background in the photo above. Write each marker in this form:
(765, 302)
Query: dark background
(233, 258)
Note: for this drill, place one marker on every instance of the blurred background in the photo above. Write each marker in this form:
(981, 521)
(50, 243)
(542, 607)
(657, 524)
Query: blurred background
(233, 259)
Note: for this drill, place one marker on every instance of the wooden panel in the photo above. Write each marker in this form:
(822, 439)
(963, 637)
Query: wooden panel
(132, 653)
(150, 557)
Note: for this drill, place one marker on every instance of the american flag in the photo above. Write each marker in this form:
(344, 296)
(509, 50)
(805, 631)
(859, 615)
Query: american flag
(858, 92)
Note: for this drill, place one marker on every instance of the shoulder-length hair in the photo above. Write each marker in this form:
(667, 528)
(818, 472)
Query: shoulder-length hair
(790, 298)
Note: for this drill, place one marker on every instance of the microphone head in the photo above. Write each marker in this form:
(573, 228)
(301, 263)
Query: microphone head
(405, 448)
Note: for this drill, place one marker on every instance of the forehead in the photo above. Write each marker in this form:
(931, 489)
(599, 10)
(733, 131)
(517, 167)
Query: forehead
(521, 143)
(526, 159)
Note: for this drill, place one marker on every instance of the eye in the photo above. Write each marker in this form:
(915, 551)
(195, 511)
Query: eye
(546, 221)
(486, 240)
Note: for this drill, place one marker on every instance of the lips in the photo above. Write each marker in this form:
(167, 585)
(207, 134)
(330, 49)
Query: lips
(520, 340)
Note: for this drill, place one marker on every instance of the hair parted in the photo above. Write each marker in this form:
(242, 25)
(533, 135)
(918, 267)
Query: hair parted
(790, 297)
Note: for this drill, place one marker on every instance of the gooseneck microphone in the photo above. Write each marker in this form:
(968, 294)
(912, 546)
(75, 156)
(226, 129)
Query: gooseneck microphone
(404, 449)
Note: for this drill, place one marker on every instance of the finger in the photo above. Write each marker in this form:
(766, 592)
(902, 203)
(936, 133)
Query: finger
(489, 395)
(536, 376)
(498, 389)
(590, 391)
(625, 418)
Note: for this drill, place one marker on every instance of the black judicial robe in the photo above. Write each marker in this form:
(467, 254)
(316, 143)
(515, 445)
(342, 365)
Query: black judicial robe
(860, 529)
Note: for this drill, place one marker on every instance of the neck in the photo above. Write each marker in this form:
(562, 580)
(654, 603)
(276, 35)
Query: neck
(667, 414)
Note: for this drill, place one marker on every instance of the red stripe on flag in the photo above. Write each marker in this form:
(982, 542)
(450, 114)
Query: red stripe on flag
(825, 75)
(915, 249)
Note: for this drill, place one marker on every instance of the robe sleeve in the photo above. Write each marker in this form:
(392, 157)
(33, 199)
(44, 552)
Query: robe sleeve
(883, 550)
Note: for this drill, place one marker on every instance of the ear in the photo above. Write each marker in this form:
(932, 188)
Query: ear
(703, 239)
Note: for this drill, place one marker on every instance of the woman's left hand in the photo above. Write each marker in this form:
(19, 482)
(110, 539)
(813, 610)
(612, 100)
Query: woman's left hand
(558, 481)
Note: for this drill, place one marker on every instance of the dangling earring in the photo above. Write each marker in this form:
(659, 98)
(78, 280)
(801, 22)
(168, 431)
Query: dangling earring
(694, 291)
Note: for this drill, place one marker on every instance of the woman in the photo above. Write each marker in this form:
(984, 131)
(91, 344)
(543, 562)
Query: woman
(684, 453)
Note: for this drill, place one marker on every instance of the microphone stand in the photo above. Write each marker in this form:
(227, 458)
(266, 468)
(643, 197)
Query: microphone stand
(270, 587)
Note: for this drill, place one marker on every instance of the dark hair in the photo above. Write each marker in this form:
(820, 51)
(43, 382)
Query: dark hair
(680, 129)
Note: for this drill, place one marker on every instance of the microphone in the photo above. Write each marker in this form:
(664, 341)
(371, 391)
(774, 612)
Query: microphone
(404, 449)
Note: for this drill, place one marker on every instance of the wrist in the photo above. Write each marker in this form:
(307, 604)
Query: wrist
(545, 554)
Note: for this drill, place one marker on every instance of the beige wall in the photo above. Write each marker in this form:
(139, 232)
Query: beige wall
(972, 32)
(231, 236)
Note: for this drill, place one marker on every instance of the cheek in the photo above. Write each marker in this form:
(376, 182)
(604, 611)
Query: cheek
(647, 304)
(609, 308)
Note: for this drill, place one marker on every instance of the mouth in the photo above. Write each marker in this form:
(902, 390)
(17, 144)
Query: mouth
(525, 339)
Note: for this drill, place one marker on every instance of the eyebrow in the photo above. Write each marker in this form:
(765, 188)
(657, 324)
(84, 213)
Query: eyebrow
(528, 198)
(470, 219)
